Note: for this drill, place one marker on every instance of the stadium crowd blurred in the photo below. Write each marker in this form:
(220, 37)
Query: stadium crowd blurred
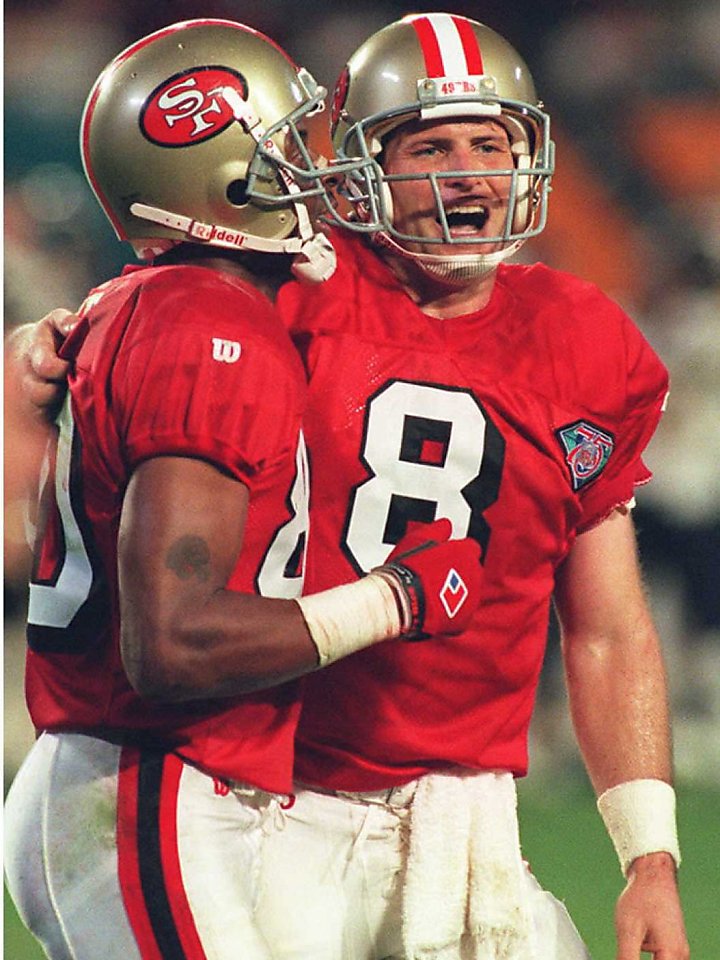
(632, 87)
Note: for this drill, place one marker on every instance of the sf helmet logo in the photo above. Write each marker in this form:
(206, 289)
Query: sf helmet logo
(189, 107)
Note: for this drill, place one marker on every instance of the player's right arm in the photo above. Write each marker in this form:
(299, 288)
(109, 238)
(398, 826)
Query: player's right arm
(184, 635)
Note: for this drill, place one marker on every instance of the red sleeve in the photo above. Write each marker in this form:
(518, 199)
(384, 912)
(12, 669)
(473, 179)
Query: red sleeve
(646, 392)
(193, 378)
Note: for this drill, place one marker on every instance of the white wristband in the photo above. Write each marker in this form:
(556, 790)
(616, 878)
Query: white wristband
(639, 816)
(355, 615)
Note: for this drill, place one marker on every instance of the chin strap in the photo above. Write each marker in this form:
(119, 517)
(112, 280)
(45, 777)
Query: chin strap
(453, 269)
(316, 260)
(314, 255)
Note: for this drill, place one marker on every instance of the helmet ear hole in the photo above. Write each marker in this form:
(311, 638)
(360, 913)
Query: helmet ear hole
(236, 193)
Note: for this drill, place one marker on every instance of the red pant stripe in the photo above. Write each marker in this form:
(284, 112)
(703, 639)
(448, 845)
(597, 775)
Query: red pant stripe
(149, 863)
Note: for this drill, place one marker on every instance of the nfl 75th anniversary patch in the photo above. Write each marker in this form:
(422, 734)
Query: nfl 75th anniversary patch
(587, 451)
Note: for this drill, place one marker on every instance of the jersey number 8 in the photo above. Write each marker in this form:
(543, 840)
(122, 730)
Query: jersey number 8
(430, 452)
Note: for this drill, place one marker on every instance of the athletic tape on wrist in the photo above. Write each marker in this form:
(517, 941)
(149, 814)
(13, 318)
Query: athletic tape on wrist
(353, 616)
(639, 816)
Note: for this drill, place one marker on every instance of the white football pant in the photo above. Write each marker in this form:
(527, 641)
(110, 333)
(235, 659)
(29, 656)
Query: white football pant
(117, 853)
(114, 853)
(336, 868)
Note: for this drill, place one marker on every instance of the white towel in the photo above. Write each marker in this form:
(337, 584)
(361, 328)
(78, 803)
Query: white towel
(462, 897)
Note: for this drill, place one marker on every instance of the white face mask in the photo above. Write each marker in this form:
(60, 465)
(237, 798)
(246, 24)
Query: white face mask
(368, 192)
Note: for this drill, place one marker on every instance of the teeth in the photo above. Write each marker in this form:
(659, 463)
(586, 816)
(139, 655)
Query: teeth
(475, 208)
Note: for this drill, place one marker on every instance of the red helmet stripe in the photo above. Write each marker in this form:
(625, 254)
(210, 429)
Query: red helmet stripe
(430, 46)
(448, 44)
(473, 54)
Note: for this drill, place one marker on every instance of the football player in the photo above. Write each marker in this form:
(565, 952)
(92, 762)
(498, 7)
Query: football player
(517, 401)
(166, 632)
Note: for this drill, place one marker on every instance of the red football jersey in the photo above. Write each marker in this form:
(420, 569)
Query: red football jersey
(523, 423)
(182, 361)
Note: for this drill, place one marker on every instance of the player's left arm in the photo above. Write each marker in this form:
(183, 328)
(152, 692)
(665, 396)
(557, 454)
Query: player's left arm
(619, 704)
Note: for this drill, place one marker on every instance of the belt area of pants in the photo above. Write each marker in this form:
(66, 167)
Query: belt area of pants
(399, 796)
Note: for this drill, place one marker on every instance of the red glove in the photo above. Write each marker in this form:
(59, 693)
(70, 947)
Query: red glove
(439, 578)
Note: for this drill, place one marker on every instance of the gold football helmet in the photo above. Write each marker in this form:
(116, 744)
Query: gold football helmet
(178, 124)
(429, 67)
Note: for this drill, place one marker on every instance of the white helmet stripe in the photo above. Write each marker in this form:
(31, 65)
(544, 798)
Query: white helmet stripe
(449, 49)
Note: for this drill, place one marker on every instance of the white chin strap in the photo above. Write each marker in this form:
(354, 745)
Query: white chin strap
(314, 258)
(454, 270)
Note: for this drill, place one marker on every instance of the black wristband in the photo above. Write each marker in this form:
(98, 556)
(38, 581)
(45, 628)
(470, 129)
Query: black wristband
(412, 585)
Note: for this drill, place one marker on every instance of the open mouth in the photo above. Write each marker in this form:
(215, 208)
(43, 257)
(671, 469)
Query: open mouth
(467, 219)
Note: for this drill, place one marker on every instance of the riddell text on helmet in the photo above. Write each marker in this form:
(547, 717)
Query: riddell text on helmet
(207, 232)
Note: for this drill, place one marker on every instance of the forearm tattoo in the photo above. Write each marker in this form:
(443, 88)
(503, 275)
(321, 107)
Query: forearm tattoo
(188, 558)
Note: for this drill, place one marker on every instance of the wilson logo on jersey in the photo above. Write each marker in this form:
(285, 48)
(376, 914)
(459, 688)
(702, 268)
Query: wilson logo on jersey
(454, 593)
(187, 108)
(226, 351)
(587, 451)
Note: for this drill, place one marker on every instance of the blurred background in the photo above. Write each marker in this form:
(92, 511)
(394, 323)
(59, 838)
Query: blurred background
(633, 90)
